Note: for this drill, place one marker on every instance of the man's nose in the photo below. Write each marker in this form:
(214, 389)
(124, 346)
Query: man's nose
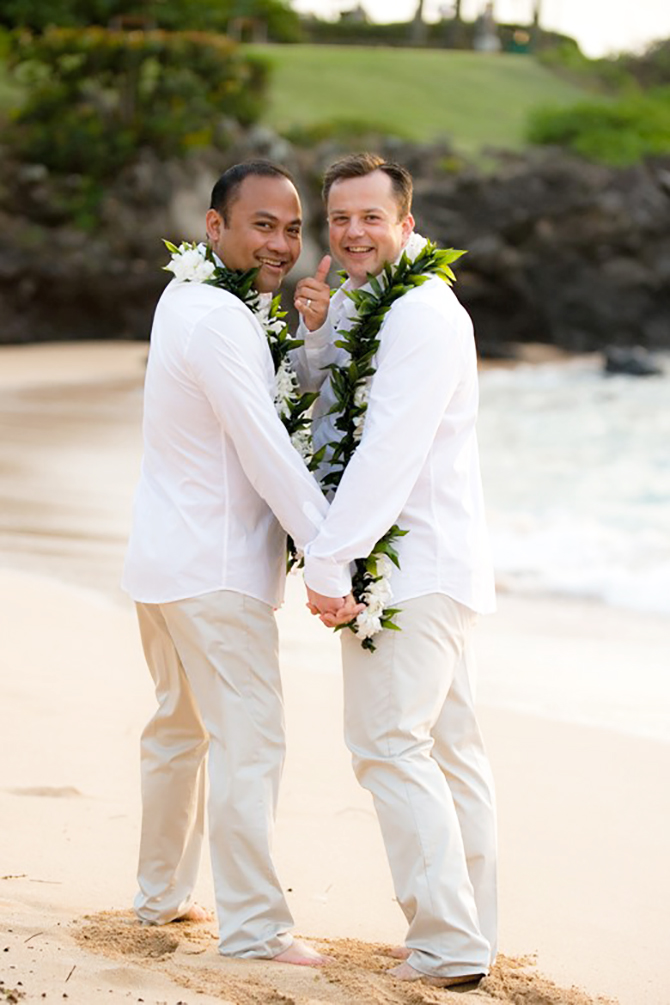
(279, 242)
(354, 227)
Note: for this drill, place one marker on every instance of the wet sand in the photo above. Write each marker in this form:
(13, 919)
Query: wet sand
(583, 812)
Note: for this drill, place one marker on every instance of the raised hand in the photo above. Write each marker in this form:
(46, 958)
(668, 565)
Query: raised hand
(333, 610)
(312, 296)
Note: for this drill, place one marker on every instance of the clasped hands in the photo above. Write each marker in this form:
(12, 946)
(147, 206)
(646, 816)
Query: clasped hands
(333, 611)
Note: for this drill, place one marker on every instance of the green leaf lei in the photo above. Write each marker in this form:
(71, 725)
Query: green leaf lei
(192, 262)
(350, 384)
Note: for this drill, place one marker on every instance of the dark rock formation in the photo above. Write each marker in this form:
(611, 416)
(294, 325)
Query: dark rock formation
(559, 251)
(58, 281)
(633, 362)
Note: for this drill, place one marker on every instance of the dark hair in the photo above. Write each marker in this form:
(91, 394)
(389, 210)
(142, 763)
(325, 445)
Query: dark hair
(227, 187)
(359, 165)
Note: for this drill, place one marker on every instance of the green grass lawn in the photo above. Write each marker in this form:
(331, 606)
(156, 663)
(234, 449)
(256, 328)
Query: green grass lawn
(475, 99)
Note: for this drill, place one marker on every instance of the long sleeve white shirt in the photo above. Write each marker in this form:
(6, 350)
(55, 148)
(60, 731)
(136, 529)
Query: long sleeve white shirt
(219, 475)
(417, 463)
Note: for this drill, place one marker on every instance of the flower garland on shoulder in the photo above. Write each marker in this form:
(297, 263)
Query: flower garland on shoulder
(195, 263)
(350, 382)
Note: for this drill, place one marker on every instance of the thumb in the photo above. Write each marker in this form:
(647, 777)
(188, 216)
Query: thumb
(322, 271)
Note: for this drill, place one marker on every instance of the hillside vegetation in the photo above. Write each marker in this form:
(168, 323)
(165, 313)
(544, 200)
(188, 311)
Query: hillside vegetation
(475, 99)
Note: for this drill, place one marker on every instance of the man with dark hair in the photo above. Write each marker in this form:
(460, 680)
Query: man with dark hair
(227, 187)
(409, 708)
(220, 483)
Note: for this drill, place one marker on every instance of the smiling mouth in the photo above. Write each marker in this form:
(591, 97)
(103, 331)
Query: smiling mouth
(358, 250)
(273, 263)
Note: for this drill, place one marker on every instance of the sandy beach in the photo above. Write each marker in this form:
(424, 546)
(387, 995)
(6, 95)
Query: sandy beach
(584, 811)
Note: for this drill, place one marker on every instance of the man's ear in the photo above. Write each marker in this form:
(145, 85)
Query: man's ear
(407, 226)
(214, 225)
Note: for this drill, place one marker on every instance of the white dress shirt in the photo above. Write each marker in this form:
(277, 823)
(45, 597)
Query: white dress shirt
(417, 464)
(219, 474)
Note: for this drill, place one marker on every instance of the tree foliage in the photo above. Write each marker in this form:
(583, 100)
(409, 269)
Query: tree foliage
(95, 96)
(281, 22)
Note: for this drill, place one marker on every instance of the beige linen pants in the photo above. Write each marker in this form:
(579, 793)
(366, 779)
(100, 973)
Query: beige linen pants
(215, 666)
(411, 728)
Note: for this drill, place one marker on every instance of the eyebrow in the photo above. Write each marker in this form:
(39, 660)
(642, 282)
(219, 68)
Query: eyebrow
(371, 209)
(266, 215)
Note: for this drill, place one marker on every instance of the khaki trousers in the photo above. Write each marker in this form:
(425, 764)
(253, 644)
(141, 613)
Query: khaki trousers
(215, 667)
(411, 728)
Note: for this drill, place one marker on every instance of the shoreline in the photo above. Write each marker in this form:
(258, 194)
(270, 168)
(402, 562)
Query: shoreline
(60, 363)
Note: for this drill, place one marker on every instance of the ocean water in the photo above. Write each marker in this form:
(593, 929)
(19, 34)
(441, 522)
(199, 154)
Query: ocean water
(576, 469)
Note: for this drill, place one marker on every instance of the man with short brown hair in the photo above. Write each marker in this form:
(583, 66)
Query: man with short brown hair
(409, 705)
(360, 165)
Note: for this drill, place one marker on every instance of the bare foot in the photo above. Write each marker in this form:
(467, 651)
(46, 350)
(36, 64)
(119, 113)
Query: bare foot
(399, 952)
(301, 955)
(405, 972)
(196, 914)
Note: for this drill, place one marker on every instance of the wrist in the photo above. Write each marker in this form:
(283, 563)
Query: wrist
(314, 338)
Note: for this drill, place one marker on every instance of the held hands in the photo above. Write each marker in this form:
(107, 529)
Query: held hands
(312, 296)
(333, 611)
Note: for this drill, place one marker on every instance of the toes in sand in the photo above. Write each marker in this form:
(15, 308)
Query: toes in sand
(196, 914)
(300, 954)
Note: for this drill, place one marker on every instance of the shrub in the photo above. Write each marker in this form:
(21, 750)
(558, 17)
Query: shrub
(94, 96)
(397, 33)
(349, 131)
(282, 23)
(618, 134)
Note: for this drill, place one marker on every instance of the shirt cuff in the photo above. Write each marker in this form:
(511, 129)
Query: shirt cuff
(326, 576)
(318, 339)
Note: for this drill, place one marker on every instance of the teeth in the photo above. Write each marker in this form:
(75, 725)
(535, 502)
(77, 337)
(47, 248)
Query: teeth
(359, 249)
(271, 261)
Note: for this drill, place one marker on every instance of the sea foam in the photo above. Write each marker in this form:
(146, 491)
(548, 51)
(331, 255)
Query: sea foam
(576, 469)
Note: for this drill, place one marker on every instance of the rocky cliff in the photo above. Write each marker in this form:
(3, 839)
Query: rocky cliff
(559, 250)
